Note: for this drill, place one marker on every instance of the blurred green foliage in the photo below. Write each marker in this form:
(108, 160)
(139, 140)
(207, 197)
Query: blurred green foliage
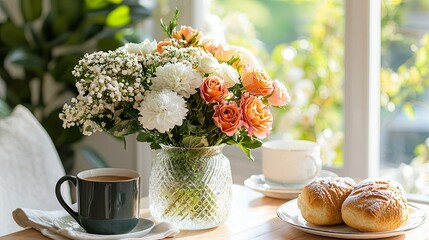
(42, 41)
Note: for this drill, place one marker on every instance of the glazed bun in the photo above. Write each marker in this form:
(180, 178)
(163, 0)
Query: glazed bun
(320, 201)
(375, 206)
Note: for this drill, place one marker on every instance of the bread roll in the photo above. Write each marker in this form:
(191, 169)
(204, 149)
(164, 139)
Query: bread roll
(375, 206)
(320, 201)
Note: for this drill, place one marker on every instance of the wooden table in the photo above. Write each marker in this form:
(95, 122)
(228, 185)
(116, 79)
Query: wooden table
(253, 217)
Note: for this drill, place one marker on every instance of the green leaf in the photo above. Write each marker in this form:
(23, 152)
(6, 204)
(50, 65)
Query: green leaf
(5, 110)
(106, 44)
(70, 12)
(100, 4)
(119, 17)
(247, 151)
(27, 59)
(144, 137)
(409, 111)
(12, 35)
(62, 71)
(252, 144)
(123, 128)
(93, 158)
(194, 142)
(31, 9)
(171, 28)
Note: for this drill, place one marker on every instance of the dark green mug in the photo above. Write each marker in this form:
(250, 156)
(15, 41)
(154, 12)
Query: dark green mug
(108, 199)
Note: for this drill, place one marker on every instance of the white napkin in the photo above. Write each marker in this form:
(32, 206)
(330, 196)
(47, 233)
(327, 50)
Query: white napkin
(44, 221)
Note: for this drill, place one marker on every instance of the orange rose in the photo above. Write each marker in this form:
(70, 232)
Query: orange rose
(256, 116)
(279, 96)
(213, 89)
(256, 81)
(162, 44)
(223, 52)
(190, 35)
(227, 117)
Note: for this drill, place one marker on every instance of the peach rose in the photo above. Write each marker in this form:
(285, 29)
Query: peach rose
(162, 44)
(227, 117)
(213, 89)
(223, 52)
(209, 44)
(256, 116)
(190, 35)
(256, 81)
(279, 96)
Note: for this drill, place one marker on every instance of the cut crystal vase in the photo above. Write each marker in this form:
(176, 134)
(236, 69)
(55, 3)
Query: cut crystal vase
(190, 187)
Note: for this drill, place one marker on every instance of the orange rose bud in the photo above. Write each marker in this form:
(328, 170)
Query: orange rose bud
(223, 52)
(162, 44)
(227, 117)
(190, 35)
(256, 81)
(213, 89)
(279, 96)
(256, 116)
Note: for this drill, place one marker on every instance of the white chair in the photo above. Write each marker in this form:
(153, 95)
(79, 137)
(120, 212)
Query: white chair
(29, 168)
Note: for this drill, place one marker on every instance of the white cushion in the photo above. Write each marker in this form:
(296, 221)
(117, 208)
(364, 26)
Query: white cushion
(29, 168)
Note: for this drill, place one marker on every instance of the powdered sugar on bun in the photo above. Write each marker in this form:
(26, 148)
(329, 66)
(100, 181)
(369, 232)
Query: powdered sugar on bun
(375, 205)
(320, 201)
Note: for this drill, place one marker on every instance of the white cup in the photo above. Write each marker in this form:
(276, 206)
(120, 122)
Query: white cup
(290, 161)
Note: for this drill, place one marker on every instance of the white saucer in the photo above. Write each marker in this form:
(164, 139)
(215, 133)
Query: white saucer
(290, 213)
(143, 227)
(281, 191)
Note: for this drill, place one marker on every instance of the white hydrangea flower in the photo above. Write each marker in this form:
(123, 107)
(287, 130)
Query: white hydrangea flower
(178, 77)
(228, 73)
(207, 63)
(162, 110)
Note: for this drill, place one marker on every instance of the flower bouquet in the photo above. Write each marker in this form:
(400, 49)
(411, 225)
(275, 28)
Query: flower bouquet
(188, 91)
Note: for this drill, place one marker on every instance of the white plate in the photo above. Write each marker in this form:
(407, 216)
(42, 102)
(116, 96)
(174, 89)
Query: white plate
(281, 191)
(142, 228)
(290, 213)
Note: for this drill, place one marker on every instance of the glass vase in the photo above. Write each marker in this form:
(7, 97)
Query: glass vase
(190, 187)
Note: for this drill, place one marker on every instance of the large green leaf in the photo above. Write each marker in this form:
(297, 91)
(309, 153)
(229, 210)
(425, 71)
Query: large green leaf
(119, 17)
(25, 58)
(31, 9)
(12, 35)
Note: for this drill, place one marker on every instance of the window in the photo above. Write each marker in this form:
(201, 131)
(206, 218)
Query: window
(404, 93)
(353, 37)
(303, 49)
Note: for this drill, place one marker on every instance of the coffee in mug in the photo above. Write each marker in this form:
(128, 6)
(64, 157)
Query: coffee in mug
(290, 161)
(108, 199)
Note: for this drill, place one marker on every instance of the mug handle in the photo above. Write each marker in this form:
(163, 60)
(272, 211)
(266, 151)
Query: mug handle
(316, 164)
(72, 179)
